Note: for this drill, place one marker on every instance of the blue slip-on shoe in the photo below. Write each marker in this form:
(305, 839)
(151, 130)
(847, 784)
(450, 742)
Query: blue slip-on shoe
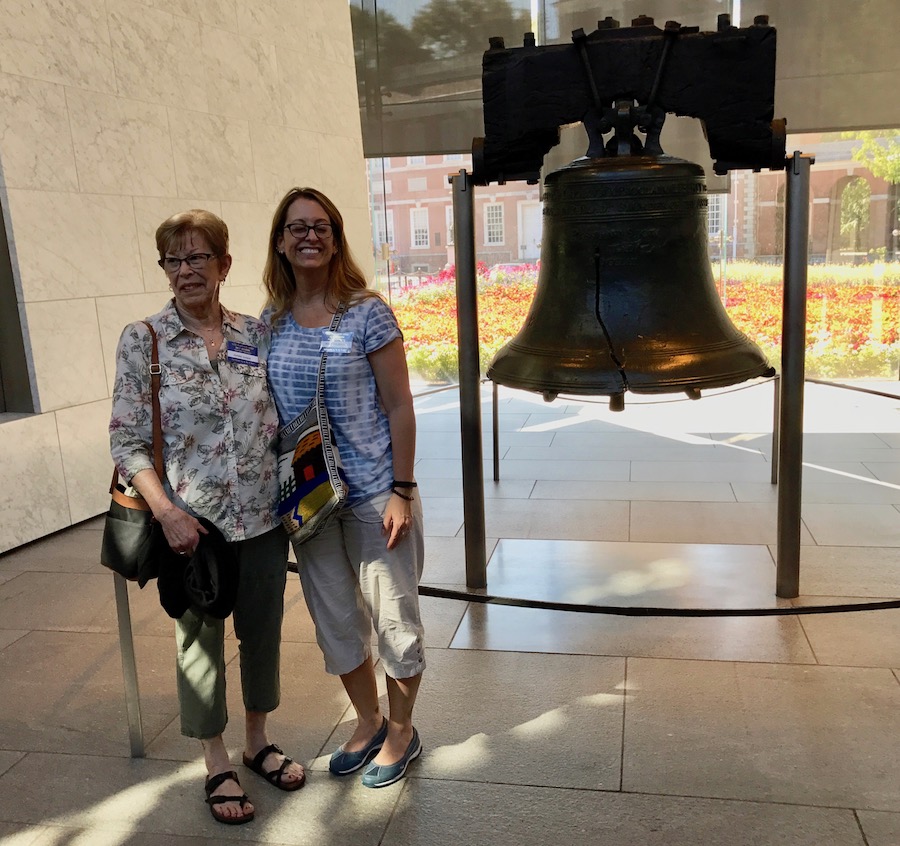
(381, 775)
(343, 763)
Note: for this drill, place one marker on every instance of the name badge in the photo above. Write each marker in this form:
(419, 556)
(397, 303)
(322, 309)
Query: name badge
(336, 342)
(241, 353)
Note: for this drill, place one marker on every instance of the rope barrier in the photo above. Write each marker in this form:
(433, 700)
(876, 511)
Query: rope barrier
(651, 611)
(857, 388)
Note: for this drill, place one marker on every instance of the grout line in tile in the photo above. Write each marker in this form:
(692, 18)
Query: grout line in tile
(812, 650)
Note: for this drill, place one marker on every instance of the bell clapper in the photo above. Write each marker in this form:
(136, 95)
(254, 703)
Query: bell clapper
(617, 402)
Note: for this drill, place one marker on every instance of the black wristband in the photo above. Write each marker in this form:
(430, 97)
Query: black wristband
(401, 495)
(396, 484)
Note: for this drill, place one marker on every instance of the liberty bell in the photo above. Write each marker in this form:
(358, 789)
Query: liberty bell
(625, 299)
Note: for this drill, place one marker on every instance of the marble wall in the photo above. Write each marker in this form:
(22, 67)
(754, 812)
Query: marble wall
(115, 114)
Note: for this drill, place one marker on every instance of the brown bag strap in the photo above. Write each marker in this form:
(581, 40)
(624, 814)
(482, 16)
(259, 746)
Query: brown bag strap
(156, 442)
(155, 371)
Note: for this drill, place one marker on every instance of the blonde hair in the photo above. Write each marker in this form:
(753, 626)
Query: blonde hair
(346, 282)
(172, 231)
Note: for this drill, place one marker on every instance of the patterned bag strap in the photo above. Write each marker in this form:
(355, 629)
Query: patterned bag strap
(320, 379)
(331, 464)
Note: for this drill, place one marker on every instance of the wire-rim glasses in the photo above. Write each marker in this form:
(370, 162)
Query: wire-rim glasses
(195, 261)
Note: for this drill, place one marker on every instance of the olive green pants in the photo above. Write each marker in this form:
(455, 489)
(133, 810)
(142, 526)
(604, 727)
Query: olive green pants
(258, 611)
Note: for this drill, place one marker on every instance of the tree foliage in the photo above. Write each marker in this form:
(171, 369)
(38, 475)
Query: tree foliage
(396, 45)
(855, 201)
(879, 151)
(451, 28)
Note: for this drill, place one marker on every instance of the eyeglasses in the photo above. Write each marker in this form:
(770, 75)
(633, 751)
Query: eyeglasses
(301, 230)
(195, 261)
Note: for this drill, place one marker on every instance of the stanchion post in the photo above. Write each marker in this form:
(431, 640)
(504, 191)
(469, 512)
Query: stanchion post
(793, 349)
(129, 668)
(495, 409)
(469, 380)
(776, 425)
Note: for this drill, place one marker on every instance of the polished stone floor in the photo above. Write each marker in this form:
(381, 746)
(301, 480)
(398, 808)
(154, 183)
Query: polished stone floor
(539, 726)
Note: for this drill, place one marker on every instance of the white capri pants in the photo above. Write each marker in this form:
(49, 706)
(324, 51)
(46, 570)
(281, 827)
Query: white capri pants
(352, 582)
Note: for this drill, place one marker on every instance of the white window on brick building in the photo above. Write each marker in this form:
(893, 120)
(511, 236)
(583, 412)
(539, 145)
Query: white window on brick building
(415, 160)
(493, 224)
(418, 227)
(417, 183)
(384, 228)
(714, 211)
(448, 218)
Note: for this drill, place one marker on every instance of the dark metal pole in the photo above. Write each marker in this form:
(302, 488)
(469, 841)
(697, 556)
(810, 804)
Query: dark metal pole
(776, 425)
(129, 668)
(495, 408)
(793, 350)
(469, 380)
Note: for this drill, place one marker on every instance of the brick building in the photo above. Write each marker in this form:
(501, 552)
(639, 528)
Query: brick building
(412, 212)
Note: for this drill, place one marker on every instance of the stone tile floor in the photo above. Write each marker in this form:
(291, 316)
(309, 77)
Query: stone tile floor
(539, 726)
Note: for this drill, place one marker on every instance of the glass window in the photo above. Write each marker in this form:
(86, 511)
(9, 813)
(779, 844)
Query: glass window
(714, 216)
(420, 183)
(418, 65)
(418, 224)
(384, 228)
(854, 202)
(448, 219)
(853, 313)
(853, 306)
(415, 160)
(493, 223)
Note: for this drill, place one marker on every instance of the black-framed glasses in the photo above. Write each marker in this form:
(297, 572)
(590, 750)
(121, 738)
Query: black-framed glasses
(301, 230)
(195, 261)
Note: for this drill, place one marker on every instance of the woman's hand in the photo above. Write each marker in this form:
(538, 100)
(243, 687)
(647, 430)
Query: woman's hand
(182, 531)
(398, 520)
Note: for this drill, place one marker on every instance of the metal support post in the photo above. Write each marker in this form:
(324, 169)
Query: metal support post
(776, 425)
(129, 668)
(495, 408)
(469, 380)
(793, 349)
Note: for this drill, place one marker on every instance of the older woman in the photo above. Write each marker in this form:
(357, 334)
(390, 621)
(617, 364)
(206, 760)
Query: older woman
(218, 423)
(364, 567)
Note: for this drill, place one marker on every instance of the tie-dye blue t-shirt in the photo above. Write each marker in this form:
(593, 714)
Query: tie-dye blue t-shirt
(360, 426)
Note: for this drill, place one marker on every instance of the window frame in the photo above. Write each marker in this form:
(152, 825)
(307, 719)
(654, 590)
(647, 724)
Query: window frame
(490, 226)
(420, 212)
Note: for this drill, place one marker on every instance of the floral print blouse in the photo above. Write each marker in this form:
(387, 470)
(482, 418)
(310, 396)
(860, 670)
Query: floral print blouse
(218, 420)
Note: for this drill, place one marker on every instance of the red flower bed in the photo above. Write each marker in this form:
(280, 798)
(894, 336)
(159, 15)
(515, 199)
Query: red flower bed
(853, 319)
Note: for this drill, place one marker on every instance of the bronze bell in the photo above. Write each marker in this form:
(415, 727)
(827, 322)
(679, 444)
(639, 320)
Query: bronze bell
(626, 300)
